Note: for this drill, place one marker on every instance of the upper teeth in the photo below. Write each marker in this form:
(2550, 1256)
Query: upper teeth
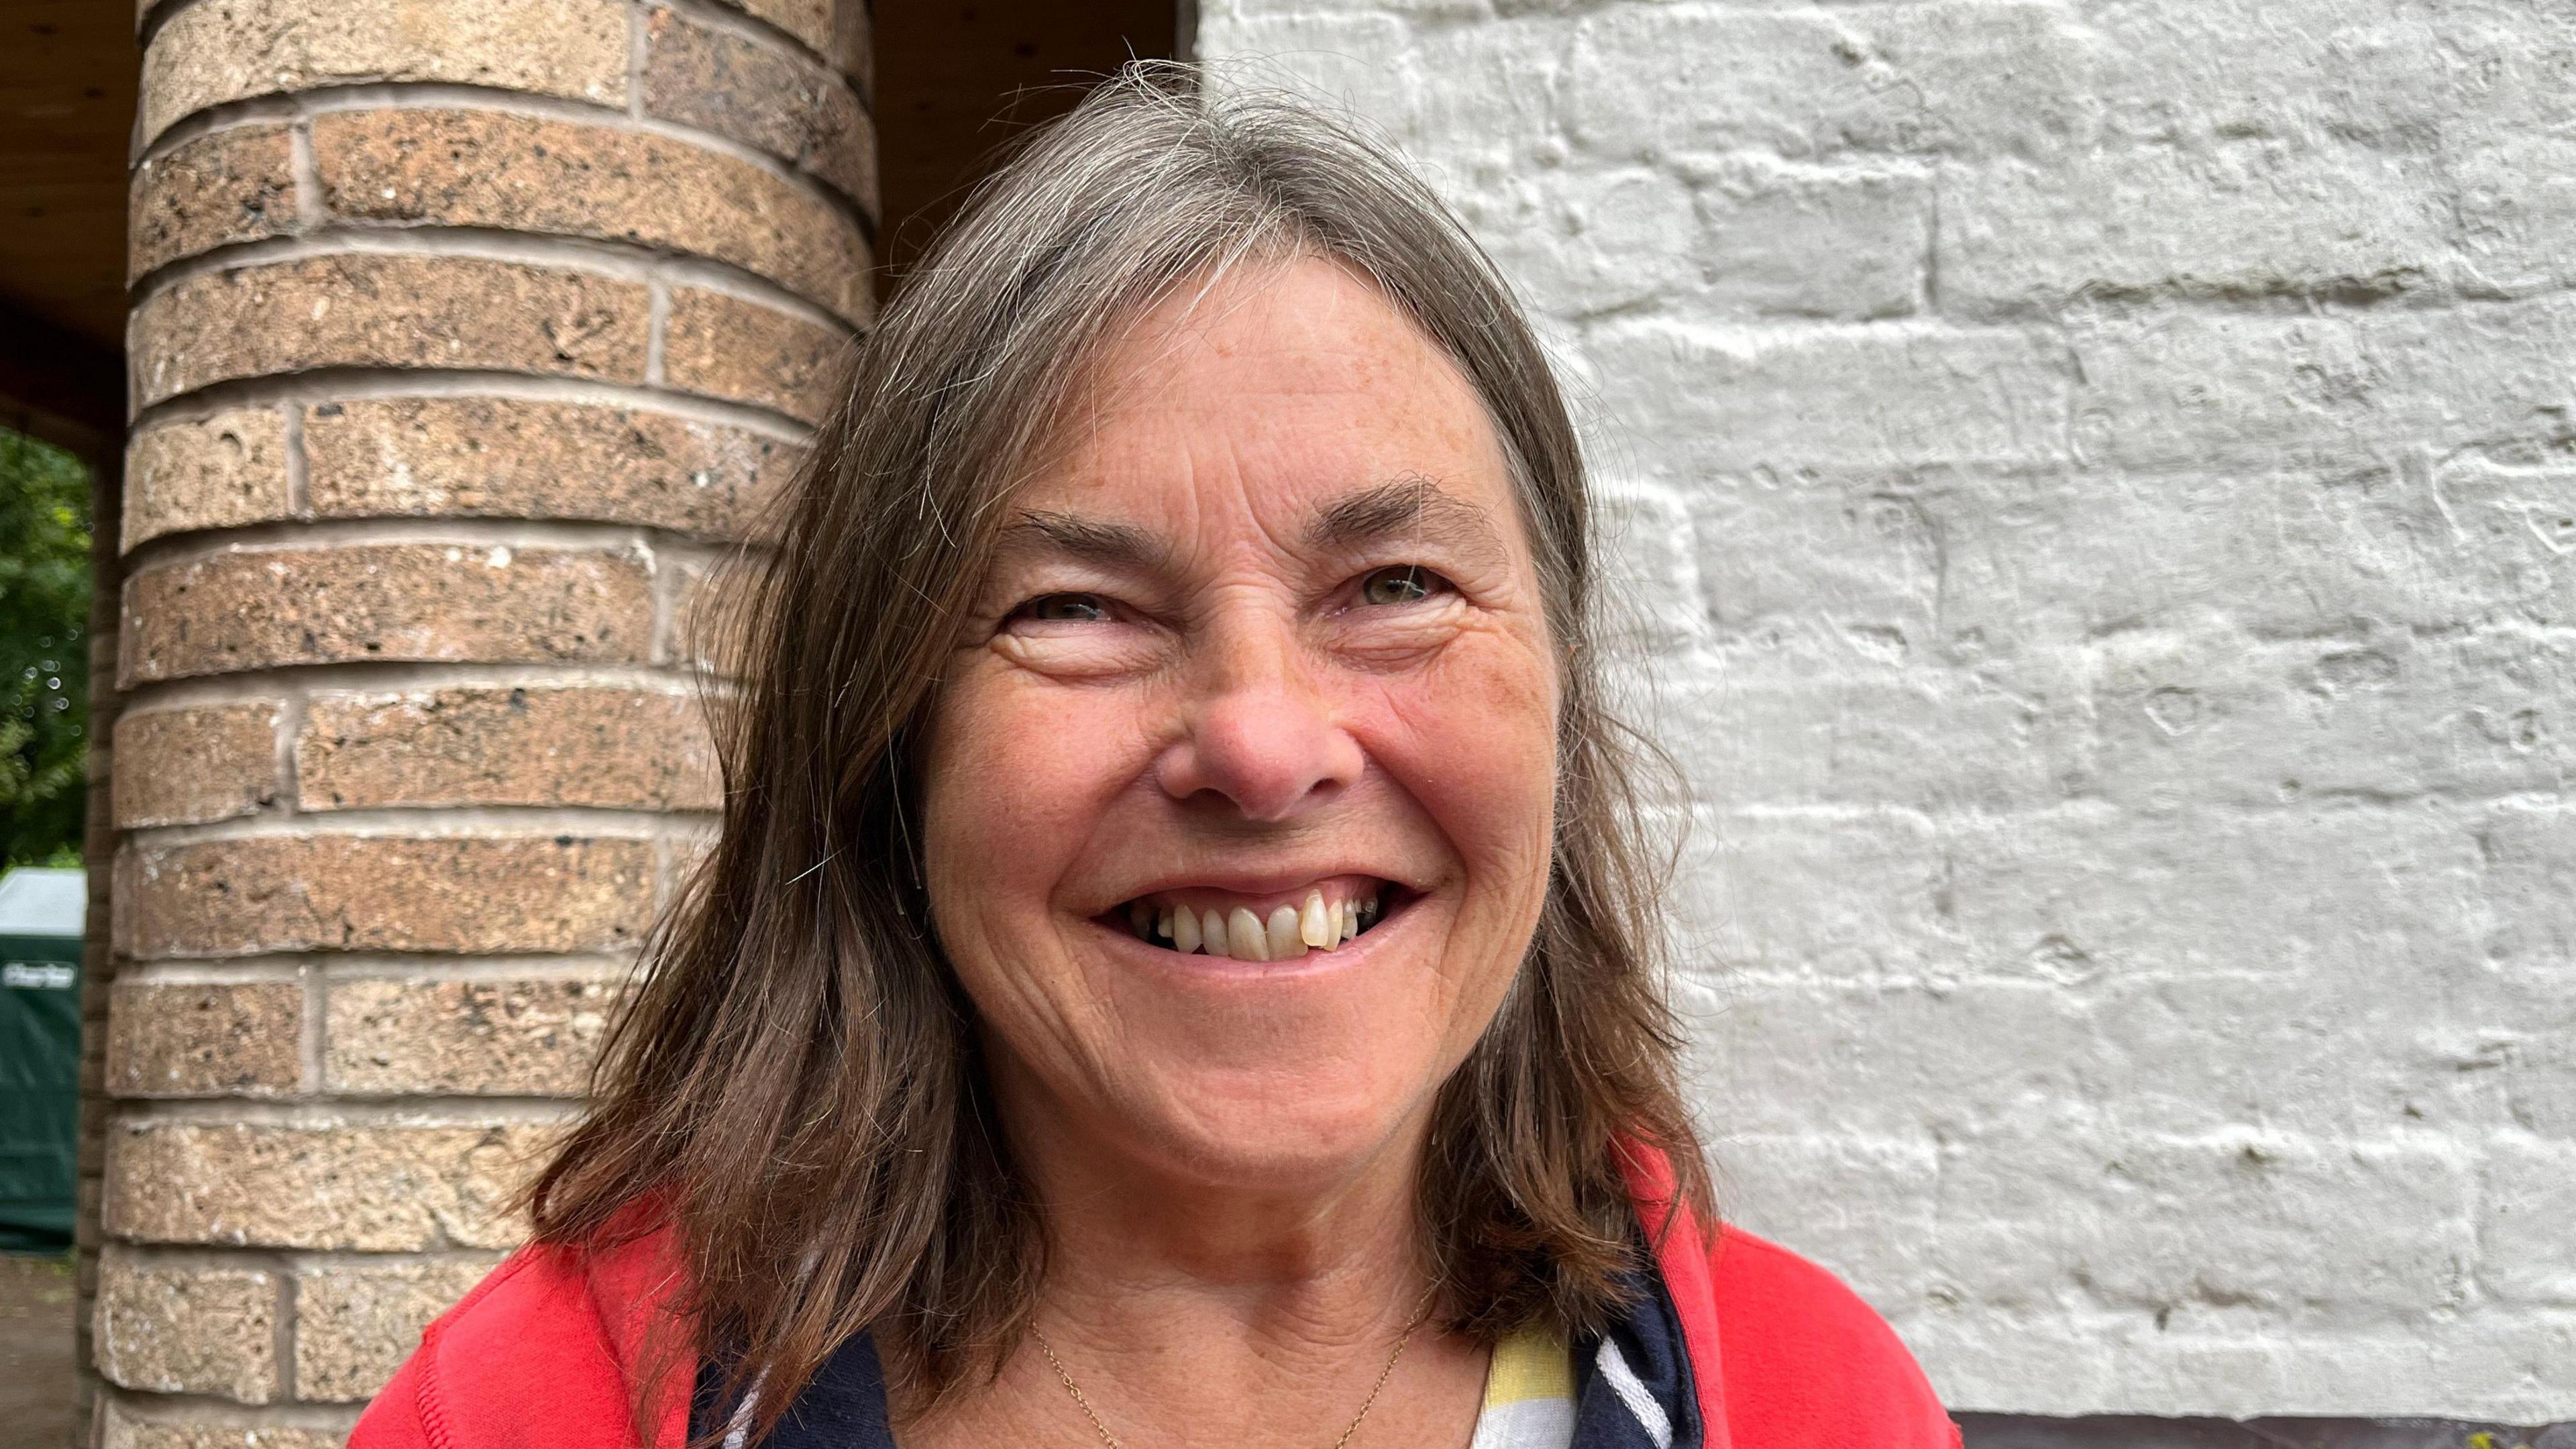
(1283, 935)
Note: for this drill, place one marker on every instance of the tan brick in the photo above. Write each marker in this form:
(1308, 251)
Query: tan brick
(260, 608)
(188, 1329)
(527, 173)
(503, 457)
(226, 50)
(205, 762)
(784, 104)
(618, 748)
(383, 893)
(517, 1037)
(729, 348)
(213, 472)
(172, 1040)
(233, 185)
(811, 21)
(709, 618)
(355, 1325)
(126, 1430)
(368, 1187)
(377, 310)
(683, 856)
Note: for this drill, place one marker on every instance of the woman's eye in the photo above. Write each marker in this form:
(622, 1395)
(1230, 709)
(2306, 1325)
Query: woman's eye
(1064, 608)
(1403, 584)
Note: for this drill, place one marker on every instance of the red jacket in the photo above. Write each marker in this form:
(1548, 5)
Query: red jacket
(538, 1355)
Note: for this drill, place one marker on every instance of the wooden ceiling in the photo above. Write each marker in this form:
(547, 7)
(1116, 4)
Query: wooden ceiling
(67, 75)
(954, 81)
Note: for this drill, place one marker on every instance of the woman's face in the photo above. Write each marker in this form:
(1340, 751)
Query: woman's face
(1261, 663)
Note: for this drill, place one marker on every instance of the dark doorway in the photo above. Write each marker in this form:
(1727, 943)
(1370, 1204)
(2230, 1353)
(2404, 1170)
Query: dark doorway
(956, 81)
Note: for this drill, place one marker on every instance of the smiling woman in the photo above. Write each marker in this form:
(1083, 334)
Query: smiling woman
(1179, 964)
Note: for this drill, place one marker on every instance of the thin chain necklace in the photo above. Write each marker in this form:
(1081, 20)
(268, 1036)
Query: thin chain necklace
(1421, 1311)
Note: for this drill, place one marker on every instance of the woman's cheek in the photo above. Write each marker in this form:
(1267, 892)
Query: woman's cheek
(1474, 741)
(1039, 765)
(993, 780)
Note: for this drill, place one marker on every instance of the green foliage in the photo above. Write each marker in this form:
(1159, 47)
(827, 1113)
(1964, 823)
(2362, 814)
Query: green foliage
(44, 650)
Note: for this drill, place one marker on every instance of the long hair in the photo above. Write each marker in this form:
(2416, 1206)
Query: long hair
(795, 1082)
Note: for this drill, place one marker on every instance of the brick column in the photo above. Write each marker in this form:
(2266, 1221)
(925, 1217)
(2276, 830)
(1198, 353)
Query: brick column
(465, 334)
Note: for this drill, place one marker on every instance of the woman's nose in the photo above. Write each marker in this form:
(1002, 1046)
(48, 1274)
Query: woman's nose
(1259, 730)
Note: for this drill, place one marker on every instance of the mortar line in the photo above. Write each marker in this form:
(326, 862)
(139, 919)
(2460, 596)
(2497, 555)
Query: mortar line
(358, 383)
(288, 730)
(638, 46)
(173, 550)
(498, 823)
(395, 678)
(657, 333)
(299, 471)
(312, 213)
(290, 968)
(310, 1045)
(284, 1345)
(191, 1410)
(610, 259)
(429, 1111)
(752, 27)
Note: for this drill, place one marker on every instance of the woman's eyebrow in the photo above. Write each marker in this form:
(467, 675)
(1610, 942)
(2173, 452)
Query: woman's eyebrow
(1095, 540)
(1413, 506)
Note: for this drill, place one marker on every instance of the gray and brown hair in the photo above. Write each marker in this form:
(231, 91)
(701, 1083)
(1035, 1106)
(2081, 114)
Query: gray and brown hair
(795, 1080)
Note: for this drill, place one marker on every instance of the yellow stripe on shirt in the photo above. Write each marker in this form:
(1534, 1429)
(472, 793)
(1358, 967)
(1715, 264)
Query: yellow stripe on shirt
(1529, 1392)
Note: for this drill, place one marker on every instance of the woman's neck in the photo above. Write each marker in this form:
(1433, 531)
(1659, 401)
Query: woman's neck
(1200, 1313)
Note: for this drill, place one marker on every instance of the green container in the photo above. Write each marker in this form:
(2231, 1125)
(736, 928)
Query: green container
(41, 912)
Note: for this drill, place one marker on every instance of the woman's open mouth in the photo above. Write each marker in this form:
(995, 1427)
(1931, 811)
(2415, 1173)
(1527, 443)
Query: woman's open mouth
(1279, 927)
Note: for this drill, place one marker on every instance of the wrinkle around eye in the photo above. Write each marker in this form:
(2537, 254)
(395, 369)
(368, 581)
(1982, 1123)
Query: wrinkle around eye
(1386, 637)
(1081, 649)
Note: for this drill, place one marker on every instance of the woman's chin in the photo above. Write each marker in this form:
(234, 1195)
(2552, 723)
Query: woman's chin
(1284, 1131)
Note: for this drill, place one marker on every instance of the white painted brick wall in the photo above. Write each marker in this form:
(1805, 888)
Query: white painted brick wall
(2102, 480)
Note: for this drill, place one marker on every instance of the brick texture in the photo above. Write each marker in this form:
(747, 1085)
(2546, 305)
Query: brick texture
(606, 747)
(124, 1429)
(741, 351)
(339, 1185)
(2090, 486)
(232, 185)
(511, 1037)
(574, 49)
(363, 310)
(261, 608)
(491, 169)
(353, 1325)
(463, 893)
(786, 105)
(708, 617)
(466, 336)
(213, 472)
(242, 1039)
(191, 1330)
(508, 458)
(207, 762)
(838, 32)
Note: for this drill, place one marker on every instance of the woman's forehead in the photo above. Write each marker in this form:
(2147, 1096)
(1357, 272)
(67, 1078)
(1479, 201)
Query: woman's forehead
(1290, 386)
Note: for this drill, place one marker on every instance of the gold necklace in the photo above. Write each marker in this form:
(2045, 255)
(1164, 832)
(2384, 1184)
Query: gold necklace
(1420, 1312)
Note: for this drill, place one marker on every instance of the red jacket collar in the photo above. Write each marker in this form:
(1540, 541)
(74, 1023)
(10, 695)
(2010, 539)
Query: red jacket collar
(552, 1350)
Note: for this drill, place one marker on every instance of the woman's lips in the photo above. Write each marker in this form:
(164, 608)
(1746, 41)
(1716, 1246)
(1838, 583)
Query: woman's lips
(1274, 926)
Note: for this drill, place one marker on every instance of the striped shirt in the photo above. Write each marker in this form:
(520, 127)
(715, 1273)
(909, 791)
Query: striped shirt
(1529, 1393)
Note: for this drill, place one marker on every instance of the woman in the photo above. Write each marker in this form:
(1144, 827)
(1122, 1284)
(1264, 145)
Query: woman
(1177, 967)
